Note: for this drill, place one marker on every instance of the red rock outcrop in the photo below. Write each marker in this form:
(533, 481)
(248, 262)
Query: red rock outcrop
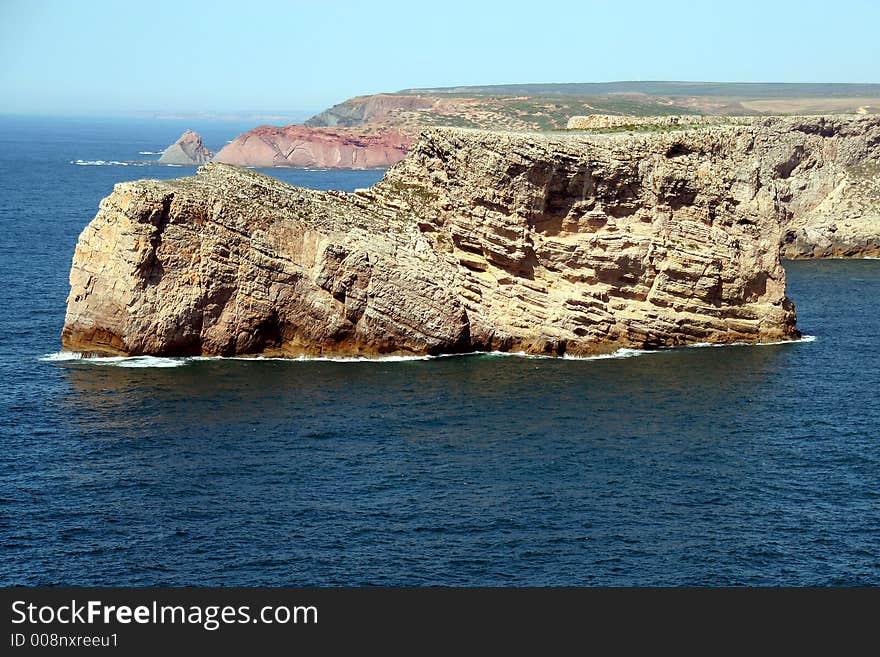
(301, 146)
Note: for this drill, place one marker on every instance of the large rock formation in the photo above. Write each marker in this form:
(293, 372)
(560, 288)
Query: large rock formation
(187, 150)
(300, 146)
(551, 244)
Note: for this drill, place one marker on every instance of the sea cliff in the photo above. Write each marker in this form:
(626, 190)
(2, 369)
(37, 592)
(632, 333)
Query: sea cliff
(544, 243)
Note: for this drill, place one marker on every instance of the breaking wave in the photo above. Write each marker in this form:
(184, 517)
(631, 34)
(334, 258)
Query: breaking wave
(109, 163)
(701, 345)
(117, 361)
(122, 163)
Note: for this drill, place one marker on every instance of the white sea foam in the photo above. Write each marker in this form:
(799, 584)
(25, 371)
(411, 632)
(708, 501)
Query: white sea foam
(623, 352)
(109, 163)
(116, 361)
(497, 354)
(159, 361)
(150, 152)
(803, 338)
(701, 345)
(121, 163)
(319, 359)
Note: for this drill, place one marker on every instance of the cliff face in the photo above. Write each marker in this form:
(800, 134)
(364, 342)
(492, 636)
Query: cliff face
(234, 262)
(826, 181)
(301, 146)
(368, 109)
(187, 150)
(842, 218)
(552, 244)
(826, 184)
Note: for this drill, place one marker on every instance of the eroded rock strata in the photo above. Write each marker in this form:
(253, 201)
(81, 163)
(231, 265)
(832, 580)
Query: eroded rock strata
(828, 182)
(302, 146)
(551, 244)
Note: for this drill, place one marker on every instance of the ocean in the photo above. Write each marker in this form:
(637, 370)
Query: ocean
(736, 465)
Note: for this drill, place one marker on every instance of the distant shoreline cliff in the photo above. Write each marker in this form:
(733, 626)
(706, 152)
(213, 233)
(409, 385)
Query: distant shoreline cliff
(375, 131)
(302, 146)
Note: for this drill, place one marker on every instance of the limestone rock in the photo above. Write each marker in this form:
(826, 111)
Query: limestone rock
(843, 221)
(187, 150)
(823, 172)
(547, 243)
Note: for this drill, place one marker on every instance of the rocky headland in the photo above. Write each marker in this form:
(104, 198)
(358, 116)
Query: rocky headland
(187, 150)
(376, 130)
(550, 106)
(302, 146)
(566, 243)
(370, 109)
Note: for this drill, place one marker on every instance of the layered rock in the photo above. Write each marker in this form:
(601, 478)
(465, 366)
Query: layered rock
(301, 146)
(827, 176)
(551, 244)
(826, 184)
(187, 150)
(843, 218)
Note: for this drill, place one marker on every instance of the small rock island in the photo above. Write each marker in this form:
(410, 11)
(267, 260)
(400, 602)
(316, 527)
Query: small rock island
(187, 150)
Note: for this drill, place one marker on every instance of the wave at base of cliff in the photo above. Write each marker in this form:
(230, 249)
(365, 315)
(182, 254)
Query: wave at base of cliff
(117, 361)
(774, 343)
(162, 362)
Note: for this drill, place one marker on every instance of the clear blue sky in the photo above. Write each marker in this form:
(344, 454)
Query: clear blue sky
(97, 56)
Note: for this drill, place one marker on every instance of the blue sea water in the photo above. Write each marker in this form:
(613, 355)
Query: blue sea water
(753, 465)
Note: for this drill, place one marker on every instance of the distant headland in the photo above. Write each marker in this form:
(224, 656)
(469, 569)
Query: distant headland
(376, 131)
